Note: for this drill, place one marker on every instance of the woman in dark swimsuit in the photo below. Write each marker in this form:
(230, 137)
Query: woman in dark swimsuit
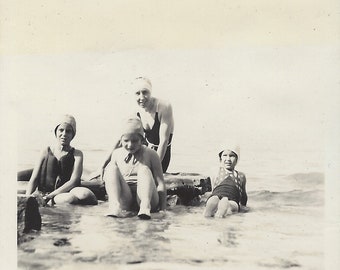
(57, 173)
(158, 123)
(157, 119)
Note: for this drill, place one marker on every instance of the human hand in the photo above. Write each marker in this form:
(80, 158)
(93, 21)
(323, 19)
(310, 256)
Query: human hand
(46, 199)
(39, 199)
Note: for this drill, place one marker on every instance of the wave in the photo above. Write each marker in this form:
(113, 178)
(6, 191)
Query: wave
(295, 197)
(312, 178)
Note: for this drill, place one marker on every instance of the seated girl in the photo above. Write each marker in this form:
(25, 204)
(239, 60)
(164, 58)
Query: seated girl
(135, 179)
(56, 176)
(229, 187)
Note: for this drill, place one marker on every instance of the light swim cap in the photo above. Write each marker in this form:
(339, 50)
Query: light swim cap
(133, 126)
(67, 119)
(141, 83)
(231, 147)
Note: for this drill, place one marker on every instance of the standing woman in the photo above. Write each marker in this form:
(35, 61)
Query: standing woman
(57, 173)
(157, 119)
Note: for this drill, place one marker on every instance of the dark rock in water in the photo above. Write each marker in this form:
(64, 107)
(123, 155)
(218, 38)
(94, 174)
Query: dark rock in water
(24, 175)
(171, 200)
(185, 194)
(187, 186)
(135, 261)
(62, 242)
(32, 215)
(28, 218)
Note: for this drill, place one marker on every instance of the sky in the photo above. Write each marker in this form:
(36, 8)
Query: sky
(265, 70)
(277, 59)
(64, 26)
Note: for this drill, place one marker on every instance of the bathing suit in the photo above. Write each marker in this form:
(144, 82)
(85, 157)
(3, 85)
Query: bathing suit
(230, 187)
(53, 172)
(152, 140)
(132, 183)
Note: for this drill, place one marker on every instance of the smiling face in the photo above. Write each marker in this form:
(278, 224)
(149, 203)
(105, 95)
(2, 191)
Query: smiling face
(64, 134)
(143, 97)
(228, 160)
(131, 142)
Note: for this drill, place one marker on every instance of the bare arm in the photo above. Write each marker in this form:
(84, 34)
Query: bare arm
(75, 176)
(157, 173)
(166, 126)
(108, 159)
(244, 197)
(33, 182)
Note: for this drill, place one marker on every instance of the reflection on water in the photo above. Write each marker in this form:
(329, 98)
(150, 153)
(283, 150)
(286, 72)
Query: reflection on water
(279, 231)
(228, 238)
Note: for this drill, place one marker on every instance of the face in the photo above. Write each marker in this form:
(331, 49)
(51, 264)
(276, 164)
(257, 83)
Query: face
(143, 97)
(64, 134)
(131, 142)
(229, 159)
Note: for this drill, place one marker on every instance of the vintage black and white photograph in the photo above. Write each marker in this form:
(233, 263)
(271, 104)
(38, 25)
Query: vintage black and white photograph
(170, 134)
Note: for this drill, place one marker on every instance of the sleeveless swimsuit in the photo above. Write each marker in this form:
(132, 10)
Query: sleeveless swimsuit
(230, 187)
(54, 173)
(152, 140)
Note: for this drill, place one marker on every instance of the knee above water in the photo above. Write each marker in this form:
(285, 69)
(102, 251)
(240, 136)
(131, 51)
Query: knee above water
(225, 199)
(83, 193)
(65, 198)
(144, 170)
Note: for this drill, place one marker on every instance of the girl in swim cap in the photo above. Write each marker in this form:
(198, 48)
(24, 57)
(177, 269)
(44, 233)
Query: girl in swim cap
(229, 187)
(57, 174)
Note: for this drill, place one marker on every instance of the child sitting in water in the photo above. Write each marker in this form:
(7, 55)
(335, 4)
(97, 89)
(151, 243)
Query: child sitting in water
(229, 188)
(135, 179)
(59, 168)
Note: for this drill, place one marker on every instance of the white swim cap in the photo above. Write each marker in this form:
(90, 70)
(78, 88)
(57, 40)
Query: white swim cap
(231, 147)
(141, 83)
(133, 125)
(67, 119)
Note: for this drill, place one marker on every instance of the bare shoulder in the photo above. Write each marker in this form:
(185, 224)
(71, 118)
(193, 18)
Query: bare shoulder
(166, 114)
(78, 153)
(150, 156)
(149, 153)
(117, 153)
(44, 151)
(164, 105)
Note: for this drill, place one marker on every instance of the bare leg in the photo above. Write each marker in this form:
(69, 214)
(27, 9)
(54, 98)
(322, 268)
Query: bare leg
(146, 192)
(234, 207)
(84, 195)
(66, 197)
(118, 191)
(223, 208)
(211, 206)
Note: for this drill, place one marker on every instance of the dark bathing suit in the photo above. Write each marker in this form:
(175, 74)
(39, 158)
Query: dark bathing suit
(53, 172)
(231, 188)
(152, 138)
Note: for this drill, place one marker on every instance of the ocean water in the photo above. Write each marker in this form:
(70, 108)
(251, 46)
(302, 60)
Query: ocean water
(279, 125)
(283, 229)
